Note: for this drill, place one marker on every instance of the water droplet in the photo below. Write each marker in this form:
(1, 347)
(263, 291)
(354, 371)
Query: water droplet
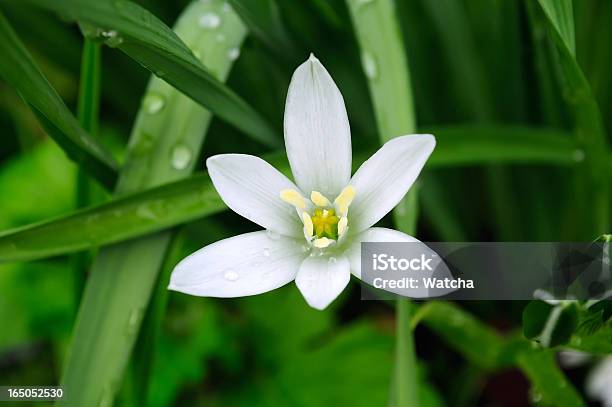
(112, 38)
(306, 248)
(146, 212)
(233, 54)
(578, 155)
(226, 7)
(272, 235)
(332, 260)
(209, 21)
(181, 157)
(220, 37)
(134, 321)
(266, 252)
(231, 275)
(153, 103)
(369, 65)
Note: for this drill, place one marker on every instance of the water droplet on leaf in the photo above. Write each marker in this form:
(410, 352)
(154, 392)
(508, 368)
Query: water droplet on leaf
(369, 65)
(112, 38)
(209, 21)
(153, 103)
(578, 155)
(220, 37)
(181, 157)
(233, 54)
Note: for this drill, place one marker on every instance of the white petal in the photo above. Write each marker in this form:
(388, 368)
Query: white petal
(317, 132)
(374, 235)
(251, 187)
(248, 264)
(599, 382)
(383, 180)
(322, 278)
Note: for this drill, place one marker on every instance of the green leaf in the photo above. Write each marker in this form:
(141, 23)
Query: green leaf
(385, 65)
(550, 386)
(263, 19)
(123, 276)
(149, 41)
(470, 337)
(561, 15)
(593, 190)
(550, 325)
(476, 144)
(19, 69)
(535, 316)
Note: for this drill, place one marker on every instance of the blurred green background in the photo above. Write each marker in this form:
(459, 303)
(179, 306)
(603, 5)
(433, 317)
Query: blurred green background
(490, 72)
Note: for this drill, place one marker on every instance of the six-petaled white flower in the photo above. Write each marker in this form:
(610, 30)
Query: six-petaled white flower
(314, 227)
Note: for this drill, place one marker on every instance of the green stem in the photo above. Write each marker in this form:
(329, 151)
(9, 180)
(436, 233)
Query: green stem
(405, 358)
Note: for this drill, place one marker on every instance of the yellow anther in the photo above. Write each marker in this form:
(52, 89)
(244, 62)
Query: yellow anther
(344, 200)
(322, 243)
(308, 227)
(342, 225)
(293, 197)
(318, 199)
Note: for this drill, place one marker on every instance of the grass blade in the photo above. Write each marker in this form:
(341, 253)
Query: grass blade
(386, 67)
(561, 14)
(19, 69)
(264, 22)
(147, 211)
(123, 276)
(594, 189)
(149, 41)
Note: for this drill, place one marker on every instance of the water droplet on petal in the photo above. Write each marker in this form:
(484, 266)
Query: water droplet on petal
(233, 54)
(332, 260)
(181, 157)
(154, 103)
(209, 21)
(272, 235)
(369, 65)
(231, 275)
(266, 252)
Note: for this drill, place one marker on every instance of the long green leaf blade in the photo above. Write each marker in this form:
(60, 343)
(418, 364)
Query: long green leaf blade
(19, 69)
(385, 65)
(561, 15)
(594, 191)
(149, 41)
(164, 145)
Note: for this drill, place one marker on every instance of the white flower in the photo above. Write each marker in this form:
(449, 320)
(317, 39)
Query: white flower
(315, 226)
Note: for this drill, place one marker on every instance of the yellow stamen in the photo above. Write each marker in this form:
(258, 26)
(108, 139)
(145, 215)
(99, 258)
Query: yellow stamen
(322, 242)
(325, 223)
(318, 199)
(293, 197)
(308, 227)
(345, 198)
(342, 225)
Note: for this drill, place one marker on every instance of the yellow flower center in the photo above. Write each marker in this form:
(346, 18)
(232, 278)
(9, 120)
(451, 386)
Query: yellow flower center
(324, 222)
